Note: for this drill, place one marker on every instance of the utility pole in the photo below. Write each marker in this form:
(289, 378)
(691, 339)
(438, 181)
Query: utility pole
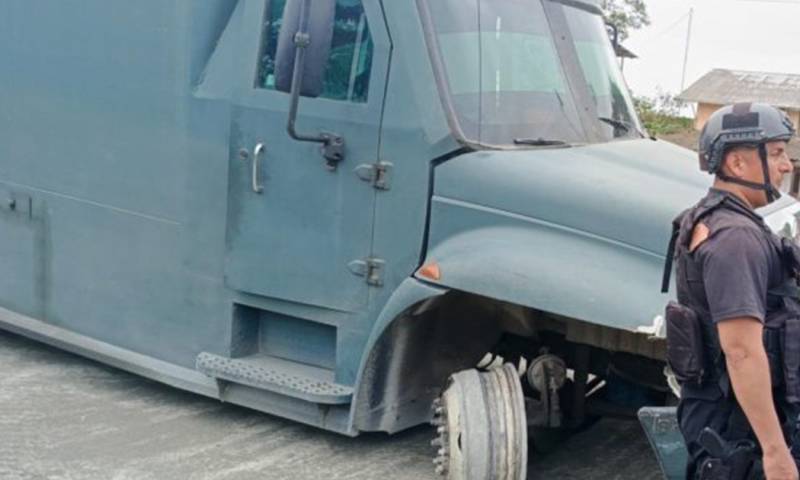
(686, 53)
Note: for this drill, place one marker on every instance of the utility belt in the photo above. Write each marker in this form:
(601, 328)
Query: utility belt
(695, 357)
(739, 459)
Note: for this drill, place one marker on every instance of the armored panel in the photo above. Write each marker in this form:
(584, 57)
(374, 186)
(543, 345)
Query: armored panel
(295, 223)
(21, 254)
(262, 332)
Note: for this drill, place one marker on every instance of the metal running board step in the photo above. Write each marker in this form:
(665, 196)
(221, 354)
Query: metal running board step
(289, 378)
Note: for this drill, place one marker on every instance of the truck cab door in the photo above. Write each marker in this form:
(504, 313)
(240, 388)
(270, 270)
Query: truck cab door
(299, 231)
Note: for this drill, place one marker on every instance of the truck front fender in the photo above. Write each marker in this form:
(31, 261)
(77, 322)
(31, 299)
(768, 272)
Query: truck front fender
(432, 328)
(554, 269)
(422, 336)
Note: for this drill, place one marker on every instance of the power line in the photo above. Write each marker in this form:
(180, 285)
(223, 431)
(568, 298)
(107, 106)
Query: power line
(666, 30)
(686, 54)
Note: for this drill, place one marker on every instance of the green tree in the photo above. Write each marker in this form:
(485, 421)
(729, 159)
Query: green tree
(661, 115)
(627, 15)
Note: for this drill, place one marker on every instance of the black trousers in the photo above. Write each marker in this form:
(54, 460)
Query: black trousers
(702, 407)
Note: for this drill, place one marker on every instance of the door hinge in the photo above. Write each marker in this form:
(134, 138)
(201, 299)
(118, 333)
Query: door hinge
(378, 174)
(371, 268)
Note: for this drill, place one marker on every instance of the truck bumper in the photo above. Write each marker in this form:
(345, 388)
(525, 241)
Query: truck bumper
(661, 426)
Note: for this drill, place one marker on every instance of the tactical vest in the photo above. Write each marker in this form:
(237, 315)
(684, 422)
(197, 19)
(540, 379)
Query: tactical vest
(693, 349)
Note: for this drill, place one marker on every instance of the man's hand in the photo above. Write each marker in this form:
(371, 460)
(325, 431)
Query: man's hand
(779, 465)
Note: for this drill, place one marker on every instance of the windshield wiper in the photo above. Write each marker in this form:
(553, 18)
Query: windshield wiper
(539, 142)
(627, 126)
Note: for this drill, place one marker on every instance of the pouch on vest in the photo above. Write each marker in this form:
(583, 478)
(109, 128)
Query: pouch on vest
(684, 343)
(791, 359)
(774, 339)
(790, 254)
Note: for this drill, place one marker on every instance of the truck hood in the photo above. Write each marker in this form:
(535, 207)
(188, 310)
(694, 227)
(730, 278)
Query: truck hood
(627, 191)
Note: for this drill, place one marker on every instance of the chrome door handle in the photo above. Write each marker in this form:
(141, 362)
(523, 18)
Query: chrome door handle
(257, 151)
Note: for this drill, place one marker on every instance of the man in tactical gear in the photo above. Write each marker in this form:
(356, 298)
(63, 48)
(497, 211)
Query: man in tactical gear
(733, 337)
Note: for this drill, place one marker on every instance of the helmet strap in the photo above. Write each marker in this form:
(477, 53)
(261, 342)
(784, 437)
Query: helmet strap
(770, 191)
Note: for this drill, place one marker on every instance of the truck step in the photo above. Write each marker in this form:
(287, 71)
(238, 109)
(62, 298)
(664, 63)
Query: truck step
(265, 372)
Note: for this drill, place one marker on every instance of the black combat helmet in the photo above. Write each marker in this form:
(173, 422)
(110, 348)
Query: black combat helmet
(743, 124)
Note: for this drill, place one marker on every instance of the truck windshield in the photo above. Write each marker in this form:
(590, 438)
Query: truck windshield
(527, 72)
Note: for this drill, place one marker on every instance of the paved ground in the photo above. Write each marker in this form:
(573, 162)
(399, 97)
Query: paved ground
(63, 417)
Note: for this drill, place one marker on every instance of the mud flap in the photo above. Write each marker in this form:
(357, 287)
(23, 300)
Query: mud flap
(661, 426)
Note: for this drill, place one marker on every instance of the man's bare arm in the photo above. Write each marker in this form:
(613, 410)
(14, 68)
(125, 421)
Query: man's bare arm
(748, 367)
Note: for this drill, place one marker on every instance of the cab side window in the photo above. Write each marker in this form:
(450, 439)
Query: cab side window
(350, 61)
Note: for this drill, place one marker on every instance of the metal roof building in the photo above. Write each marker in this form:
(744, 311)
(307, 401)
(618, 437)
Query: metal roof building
(722, 87)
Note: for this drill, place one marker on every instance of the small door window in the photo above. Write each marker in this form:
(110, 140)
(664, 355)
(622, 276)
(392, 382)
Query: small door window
(350, 60)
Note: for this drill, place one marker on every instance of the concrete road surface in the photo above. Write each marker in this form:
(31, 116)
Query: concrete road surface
(65, 417)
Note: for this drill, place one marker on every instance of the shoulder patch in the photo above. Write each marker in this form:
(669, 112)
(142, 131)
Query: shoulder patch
(699, 235)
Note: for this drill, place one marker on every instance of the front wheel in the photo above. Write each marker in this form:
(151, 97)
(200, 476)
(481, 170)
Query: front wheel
(481, 426)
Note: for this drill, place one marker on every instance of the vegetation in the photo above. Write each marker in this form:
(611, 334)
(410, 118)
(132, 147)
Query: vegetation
(662, 115)
(627, 15)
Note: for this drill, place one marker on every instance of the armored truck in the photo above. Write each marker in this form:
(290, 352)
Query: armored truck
(361, 215)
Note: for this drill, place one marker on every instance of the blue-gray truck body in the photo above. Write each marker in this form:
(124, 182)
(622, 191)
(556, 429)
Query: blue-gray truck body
(141, 223)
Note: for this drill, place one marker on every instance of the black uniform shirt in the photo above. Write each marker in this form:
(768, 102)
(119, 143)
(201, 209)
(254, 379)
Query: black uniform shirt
(739, 264)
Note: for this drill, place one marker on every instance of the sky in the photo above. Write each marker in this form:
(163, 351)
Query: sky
(759, 35)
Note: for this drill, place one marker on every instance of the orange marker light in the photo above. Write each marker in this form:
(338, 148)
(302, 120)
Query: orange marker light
(431, 271)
